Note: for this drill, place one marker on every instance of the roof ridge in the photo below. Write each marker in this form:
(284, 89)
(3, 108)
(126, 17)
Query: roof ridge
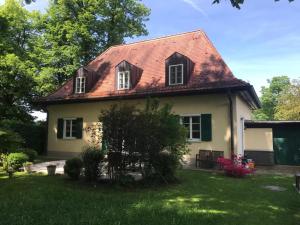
(161, 37)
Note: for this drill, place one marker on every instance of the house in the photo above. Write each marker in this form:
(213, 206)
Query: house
(184, 69)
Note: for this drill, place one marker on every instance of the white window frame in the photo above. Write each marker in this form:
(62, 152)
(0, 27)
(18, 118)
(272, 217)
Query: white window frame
(191, 126)
(170, 66)
(123, 73)
(80, 85)
(71, 128)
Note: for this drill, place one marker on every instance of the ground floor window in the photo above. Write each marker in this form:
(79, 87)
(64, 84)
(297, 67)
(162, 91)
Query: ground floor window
(70, 128)
(193, 125)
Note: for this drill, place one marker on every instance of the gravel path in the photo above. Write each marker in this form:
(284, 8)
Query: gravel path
(42, 167)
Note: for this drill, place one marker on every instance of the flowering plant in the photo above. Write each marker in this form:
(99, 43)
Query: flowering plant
(237, 167)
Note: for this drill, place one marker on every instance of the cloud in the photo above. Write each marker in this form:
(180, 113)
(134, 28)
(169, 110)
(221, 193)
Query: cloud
(195, 5)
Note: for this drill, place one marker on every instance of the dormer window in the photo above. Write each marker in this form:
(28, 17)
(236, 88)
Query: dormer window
(80, 85)
(123, 80)
(176, 74)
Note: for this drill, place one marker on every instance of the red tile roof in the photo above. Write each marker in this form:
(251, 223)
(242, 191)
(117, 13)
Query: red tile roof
(210, 71)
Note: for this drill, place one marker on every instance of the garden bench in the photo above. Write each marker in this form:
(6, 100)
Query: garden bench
(207, 158)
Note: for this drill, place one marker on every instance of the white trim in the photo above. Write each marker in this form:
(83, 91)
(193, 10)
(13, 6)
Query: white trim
(71, 128)
(80, 85)
(123, 73)
(175, 65)
(191, 126)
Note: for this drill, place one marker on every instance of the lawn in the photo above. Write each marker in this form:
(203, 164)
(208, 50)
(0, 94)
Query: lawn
(201, 198)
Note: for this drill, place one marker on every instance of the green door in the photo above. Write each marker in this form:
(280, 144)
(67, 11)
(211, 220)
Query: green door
(286, 143)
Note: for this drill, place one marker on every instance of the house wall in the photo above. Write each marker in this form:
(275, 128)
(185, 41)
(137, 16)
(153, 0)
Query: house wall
(259, 145)
(216, 104)
(241, 112)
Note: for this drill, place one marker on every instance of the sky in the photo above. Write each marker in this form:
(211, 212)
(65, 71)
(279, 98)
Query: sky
(259, 41)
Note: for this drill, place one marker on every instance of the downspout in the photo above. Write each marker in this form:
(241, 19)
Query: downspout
(47, 128)
(231, 123)
(243, 134)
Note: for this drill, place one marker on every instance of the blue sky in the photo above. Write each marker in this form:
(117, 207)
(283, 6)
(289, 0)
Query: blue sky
(257, 42)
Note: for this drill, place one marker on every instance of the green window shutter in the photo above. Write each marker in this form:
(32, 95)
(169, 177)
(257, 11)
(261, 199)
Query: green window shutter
(79, 126)
(60, 128)
(206, 131)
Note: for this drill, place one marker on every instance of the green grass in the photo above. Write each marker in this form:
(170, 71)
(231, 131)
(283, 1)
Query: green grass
(201, 198)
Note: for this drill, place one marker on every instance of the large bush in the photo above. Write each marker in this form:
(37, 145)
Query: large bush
(91, 158)
(137, 139)
(16, 160)
(73, 168)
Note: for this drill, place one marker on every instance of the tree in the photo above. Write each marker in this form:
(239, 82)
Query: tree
(16, 68)
(270, 96)
(73, 32)
(288, 107)
(237, 3)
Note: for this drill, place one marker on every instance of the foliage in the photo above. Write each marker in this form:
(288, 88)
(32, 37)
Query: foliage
(16, 68)
(270, 96)
(33, 134)
(165, 165)
(236, 171)
(288, 107)
(9, 140)
(73, 168)
(237, 3)
(32, 154)
(16, 160)
(135, 138)
(73, 32)
(91, 158)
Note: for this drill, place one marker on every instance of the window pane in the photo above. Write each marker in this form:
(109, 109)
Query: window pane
(195, 119)
(73, 128)
(68, 128)
(120, 80)
(179, 69)
(179, 79)
(196, 127)
(126, 80)
(196, 134)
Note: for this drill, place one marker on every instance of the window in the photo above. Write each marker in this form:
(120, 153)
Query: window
(80, 85)
(193, 125)
(176, 74)
(123, 80)
(69, 128)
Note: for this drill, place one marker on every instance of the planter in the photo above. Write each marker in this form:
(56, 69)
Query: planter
(51, 170)
(27, 167)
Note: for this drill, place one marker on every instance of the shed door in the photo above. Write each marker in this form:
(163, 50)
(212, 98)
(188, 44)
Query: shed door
(286, 146)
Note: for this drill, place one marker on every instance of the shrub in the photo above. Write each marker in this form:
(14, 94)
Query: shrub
(91, 158)
(16, 160)
(126, 180)
(32, 154)
(73, 168)
(165, 165)
(236, 171)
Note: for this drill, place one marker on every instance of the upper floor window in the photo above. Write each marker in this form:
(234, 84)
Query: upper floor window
(176, 74)
(80, 85)
(123, 80)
